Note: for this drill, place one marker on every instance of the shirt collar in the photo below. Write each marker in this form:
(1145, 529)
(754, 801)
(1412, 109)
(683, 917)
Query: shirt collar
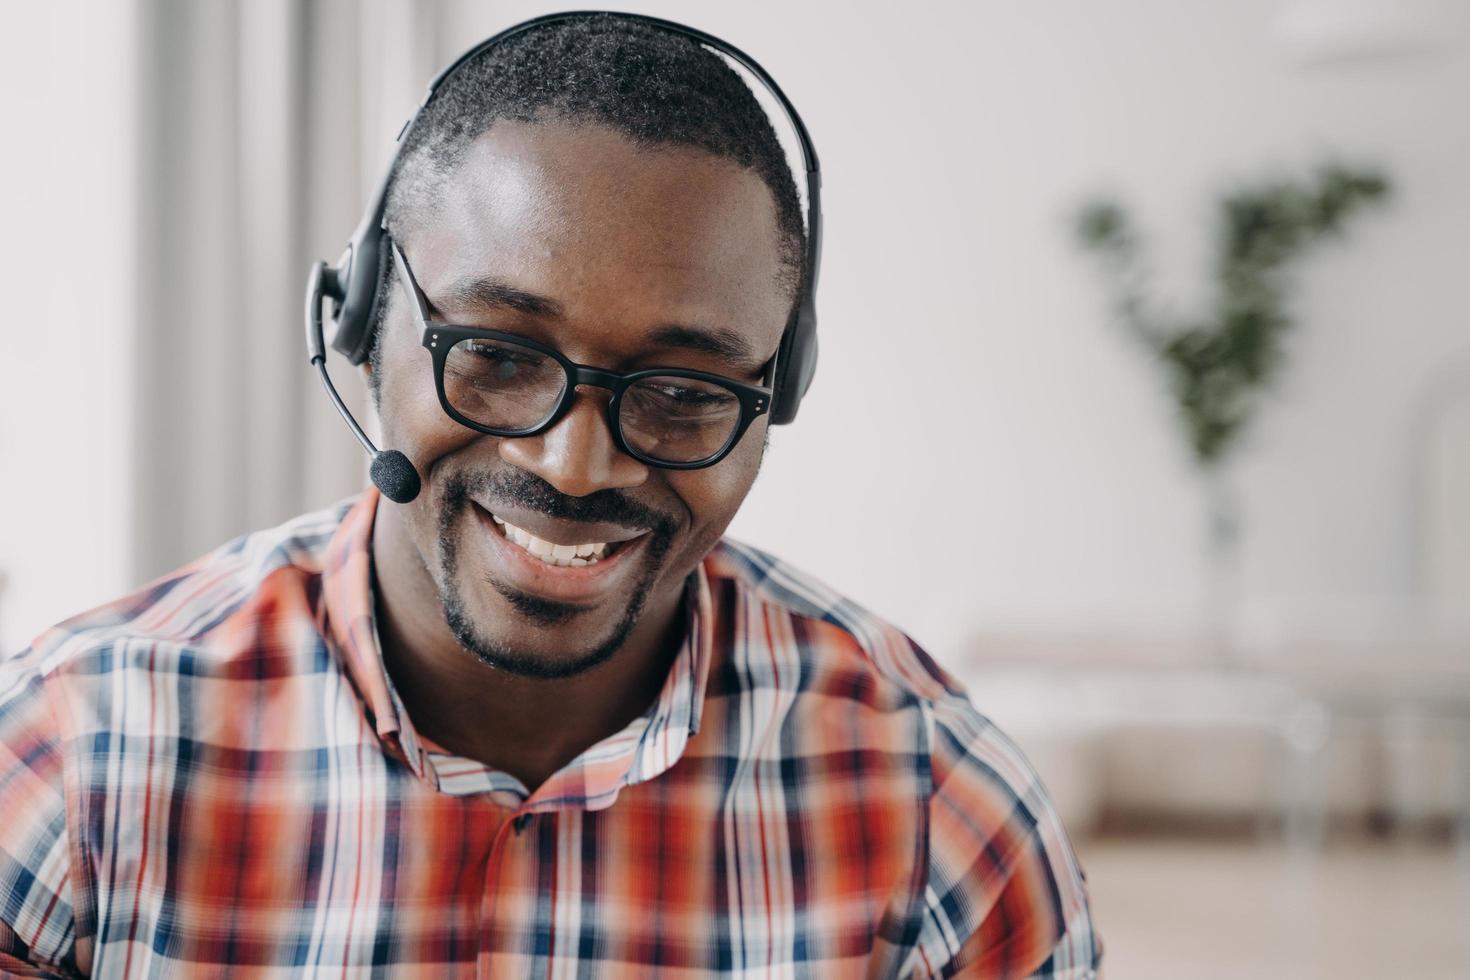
(648, 746)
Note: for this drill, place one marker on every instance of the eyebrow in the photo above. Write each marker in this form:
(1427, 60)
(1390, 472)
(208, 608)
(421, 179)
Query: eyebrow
(490, 292)
(721, 342)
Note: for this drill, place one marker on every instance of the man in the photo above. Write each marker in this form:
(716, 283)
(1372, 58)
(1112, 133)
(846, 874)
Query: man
(540, 719)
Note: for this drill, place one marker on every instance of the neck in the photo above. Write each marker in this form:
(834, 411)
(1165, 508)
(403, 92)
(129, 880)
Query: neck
(528, 727)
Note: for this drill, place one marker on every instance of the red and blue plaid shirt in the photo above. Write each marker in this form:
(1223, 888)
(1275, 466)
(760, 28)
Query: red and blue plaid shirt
(215, 775)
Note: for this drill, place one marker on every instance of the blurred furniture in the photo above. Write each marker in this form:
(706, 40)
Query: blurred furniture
(1316, 727)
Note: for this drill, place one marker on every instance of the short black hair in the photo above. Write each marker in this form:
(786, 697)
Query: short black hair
(651, 85)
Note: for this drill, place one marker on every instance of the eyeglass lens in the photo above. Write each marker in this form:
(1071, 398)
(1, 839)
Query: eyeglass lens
(503, 385)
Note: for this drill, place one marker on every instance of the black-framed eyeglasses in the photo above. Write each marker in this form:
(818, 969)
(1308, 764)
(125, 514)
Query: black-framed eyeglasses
(506, 385)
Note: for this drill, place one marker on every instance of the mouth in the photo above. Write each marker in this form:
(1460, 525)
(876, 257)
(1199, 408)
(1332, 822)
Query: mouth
(578, 572)
(560, 555)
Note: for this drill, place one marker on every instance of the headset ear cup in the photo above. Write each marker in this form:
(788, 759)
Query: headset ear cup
(796, 364)
(358, 312)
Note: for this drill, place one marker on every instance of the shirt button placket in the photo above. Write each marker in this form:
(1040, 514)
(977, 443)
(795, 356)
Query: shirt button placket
(518, 823)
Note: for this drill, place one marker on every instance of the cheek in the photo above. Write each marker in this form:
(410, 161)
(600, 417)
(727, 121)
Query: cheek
(414, 424)
(409, 410)
(714, 494)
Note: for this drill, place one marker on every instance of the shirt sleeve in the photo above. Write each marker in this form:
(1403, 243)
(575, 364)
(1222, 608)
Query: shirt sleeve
(1005, 897)
(36, 924)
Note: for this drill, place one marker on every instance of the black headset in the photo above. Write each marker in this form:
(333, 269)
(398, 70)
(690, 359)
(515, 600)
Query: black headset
(352, 284)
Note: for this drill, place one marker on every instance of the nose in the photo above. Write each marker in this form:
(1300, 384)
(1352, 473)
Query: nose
(577, 455)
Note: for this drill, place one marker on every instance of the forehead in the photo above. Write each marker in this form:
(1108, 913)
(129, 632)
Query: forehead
(620, 236)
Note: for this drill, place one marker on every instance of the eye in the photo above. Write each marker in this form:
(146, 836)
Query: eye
(670, 397)
(502, 360)
(688, 397)
(498, 352)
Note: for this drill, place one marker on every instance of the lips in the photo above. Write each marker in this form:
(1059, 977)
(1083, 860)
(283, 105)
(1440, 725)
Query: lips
(562, 555)
(551, 565)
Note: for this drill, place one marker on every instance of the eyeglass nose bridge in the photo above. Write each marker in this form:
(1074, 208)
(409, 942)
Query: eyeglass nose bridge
(595, 378)
(579, 375)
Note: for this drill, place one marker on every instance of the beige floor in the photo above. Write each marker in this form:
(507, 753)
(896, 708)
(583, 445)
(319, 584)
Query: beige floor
(1257, 910)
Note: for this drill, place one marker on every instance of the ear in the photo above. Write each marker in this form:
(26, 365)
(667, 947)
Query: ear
(370, 370)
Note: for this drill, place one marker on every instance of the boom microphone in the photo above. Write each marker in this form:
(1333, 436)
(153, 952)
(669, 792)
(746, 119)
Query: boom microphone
(394, 475)
(391, 471)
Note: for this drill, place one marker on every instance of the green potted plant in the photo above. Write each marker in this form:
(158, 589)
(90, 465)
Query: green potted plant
(1220, 360)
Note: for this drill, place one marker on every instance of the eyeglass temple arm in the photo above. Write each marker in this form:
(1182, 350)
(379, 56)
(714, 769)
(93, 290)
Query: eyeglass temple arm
(420, 301)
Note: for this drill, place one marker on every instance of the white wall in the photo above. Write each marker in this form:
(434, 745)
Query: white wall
(65, 262)
(981, 447)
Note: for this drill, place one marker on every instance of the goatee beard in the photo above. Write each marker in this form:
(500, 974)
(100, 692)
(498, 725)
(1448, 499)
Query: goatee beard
(531, 492)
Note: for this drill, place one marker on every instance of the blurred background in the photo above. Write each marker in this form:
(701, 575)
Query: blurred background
(1244, 675)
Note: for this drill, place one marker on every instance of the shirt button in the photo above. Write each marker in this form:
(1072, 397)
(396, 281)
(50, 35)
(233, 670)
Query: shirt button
(506, 798)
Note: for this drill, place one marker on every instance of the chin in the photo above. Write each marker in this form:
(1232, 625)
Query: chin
(517, 608)
(553, 642)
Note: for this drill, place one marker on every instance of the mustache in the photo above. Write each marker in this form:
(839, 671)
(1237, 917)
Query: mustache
(528, 491)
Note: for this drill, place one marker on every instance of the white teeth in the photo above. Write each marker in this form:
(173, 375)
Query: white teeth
(563, 555)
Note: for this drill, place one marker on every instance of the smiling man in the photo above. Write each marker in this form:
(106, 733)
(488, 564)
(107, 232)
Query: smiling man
(539, 717)
(562, 558)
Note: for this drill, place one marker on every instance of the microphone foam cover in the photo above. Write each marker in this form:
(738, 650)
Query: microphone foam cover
(395, 476)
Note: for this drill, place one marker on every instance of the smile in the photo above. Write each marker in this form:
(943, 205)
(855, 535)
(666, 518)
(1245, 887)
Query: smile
(564, 555)
(582, 572)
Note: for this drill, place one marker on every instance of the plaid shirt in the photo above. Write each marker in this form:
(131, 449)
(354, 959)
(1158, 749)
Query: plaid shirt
(215, 772)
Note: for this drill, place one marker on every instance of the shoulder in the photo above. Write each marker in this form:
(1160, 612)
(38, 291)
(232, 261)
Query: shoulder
(36, 914)
(844, 645)
(82, 689)
(836, 633)
(831, 630)
(1004, 888)
(1006, 894)
(206, 618)
(191, 604)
